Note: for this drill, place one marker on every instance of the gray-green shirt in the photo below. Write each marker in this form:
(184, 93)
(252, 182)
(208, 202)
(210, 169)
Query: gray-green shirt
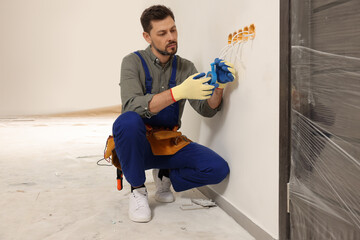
(132, 83)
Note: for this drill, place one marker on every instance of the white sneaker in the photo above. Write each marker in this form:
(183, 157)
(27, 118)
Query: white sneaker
(163, 192)
(139, 210)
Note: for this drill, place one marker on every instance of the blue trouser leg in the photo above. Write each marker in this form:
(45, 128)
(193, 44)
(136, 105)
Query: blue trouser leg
(193, 166)
(131, 146)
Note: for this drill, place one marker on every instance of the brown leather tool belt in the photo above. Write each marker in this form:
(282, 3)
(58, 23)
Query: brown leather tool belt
(166, 141)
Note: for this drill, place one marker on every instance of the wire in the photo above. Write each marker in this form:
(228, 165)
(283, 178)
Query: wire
(101, 164)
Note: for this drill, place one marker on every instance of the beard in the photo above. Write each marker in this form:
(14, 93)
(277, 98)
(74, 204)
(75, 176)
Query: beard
(165, 52)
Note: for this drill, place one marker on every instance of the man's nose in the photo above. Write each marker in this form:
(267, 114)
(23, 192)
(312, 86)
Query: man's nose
(171, 36)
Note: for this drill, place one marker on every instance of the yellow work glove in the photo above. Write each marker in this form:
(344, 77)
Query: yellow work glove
(193, 88)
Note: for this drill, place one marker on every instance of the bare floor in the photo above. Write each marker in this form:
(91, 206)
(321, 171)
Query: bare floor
(52, 188)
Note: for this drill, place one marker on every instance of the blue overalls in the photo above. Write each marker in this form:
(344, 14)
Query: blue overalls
(192, 166)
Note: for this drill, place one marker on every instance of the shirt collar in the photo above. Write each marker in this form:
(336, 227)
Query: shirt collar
(154, 59)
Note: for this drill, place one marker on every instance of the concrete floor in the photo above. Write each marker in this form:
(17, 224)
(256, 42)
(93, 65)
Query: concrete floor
(52, 188)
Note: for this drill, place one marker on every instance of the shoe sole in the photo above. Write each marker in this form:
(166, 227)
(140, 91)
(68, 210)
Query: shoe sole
(164, 201)
(140, 220)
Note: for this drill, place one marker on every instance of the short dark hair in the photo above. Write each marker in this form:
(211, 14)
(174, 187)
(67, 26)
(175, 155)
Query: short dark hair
(156, 12)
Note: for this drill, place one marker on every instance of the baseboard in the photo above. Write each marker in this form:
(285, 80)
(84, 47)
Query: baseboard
(257, 232)
(114, 111)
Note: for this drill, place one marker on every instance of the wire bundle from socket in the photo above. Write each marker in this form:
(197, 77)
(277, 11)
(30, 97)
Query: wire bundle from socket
(235, 42)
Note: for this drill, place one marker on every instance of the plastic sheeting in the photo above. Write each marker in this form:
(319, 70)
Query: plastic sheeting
(325, 114)
(325, 167)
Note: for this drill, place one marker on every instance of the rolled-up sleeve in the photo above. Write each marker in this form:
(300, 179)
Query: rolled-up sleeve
(203, 108)
(132, 85)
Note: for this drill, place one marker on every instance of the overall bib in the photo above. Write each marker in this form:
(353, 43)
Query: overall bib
(192, 166)
(169, 116)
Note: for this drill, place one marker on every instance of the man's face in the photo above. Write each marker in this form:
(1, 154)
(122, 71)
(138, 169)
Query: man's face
(163, 36)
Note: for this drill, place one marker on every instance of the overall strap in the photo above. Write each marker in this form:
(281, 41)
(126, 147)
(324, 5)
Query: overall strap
(148, 78)
(172, 82)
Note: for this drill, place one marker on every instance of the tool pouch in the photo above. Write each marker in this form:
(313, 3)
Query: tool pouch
(165, 141)
(110, 155)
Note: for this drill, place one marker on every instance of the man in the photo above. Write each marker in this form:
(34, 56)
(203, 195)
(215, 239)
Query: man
(154, 86)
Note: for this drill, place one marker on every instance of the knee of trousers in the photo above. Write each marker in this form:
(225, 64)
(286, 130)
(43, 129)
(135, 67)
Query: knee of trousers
(220, 171)
(128, 123)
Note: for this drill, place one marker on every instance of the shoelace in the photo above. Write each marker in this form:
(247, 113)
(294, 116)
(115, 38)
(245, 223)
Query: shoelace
(140, 199)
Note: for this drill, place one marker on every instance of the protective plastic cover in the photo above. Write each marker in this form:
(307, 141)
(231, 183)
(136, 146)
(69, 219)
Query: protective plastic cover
(325, 145)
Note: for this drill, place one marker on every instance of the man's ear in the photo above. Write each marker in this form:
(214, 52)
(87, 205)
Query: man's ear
(147, 37)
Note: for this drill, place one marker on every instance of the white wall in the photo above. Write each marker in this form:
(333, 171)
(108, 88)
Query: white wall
(59, 56)
(246, 131)
(64, 55)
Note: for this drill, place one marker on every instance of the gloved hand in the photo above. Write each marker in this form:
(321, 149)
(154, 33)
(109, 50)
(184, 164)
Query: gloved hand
(193, 88)
(225, 72)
